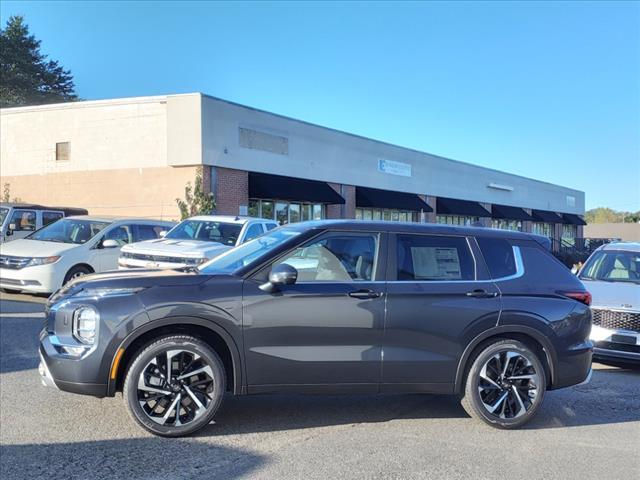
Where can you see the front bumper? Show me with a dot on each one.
(615, 344)
(36, 279)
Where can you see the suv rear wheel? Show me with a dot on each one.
(505, 385)
(175, 386)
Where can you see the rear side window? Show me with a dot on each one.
(434, 258)
(498, 255)
(253, 231)
(50, 217)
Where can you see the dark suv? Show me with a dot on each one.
(328, 307)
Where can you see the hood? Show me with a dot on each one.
(131, 279)
(36, 248)
(619, 295)
(177, 248)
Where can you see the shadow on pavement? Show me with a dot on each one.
(127, 459)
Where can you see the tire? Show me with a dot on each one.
(196, 397)
(75, 272)
(504, 401)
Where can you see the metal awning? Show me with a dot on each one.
(376, 198)
(277, 187)
(545, 216)
(573, 219)
(452, 206)
(509, 213)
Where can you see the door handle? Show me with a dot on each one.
(479, 293)
(364, 294)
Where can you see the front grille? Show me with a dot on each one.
(14, 263)
(154, 258)
(616, 320)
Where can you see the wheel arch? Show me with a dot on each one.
(214, 335)
(527, 335)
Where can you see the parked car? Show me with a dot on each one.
(612, 275)
(194, 241)
(71, 247)
(17, 220)
(383, 307)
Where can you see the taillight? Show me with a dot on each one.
(582, 297)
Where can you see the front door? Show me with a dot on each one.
(326, 329)
(437, 301)
(108, 257)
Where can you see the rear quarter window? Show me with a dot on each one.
(498, 255)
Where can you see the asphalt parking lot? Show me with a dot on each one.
(584, 432)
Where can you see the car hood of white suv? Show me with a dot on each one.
(35, 248)
(618, 295)
(177, 248)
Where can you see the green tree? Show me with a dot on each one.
(196, 200)
(27, 77)
(602, 215)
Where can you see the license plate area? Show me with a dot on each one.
(626, 339)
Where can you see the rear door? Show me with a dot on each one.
(23, 221)
(439, 297)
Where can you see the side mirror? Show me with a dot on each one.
(12, 227)
(282, 274)
(110, 244)
(162, 234)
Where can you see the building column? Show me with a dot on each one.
(527, 225)
(231, 190)
(348, 209)
(430, 217)
(486, 221)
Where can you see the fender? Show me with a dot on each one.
(500, 330)
(208, 323)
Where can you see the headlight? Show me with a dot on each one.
(85, 324)
(107, 292)
(42, 260)
(195, 261)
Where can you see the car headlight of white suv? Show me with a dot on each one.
(35, 261)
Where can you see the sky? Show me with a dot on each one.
(548, 90)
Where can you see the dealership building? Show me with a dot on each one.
(134, 157)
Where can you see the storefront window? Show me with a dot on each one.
(457, 220)
(540, 228)
(294, 213)
(285, 212)
(569, 233)
(514, 225)
(384, 214)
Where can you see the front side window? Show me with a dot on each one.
(336, 257)
(253, 231)
(69, 230)
(24, 220)
(612, 266)
(121, 234)
(148, 232)
(50, 217)
(206, 231)
(434, 258)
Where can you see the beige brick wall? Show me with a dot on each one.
(140, 192)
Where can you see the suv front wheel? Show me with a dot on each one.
(174, 386)
(505, 385)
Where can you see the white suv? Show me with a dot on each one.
(73, 246)
(194, 241)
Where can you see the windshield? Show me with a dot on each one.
(69, 230)
(248, 252)
(221, 232)
(612, 266)
(3, 214)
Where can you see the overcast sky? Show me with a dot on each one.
(546, 90)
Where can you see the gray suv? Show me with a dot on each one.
(328, 307)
